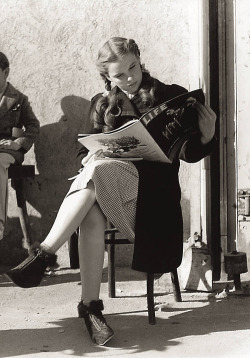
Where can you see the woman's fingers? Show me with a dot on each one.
(205, 111)
(206, 120)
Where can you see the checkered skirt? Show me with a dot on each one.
(116, 187)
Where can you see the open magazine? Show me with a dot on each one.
(158, 135)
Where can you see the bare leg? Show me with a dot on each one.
(91, 253)
(72, 211)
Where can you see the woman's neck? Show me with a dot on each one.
(129, 95)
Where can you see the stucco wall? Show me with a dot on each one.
(52, 46)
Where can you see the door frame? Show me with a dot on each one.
(223, 160)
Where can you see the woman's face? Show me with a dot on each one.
(126, 73)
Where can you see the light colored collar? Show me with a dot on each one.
(129, 95)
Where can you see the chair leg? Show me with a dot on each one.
(22, 210)
(150, 298)
(176, 286)
(73, 251)
(111, 270)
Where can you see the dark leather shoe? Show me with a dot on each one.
(31, 271)
(98, 329)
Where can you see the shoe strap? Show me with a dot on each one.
(95, 307)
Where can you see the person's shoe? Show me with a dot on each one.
(31, 271)
(98, 329)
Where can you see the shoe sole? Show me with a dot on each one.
(20, 285)
(9, 278)
(107, 340)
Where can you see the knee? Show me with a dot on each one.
(3, 168)
(5, 161)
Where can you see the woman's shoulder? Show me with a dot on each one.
(96, 97)
(98, 100)
(167, 91)
(106, 94)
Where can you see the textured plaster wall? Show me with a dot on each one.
(52, 45)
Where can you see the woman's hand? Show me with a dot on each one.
(92, 156)
(9, 144)
(206, 120)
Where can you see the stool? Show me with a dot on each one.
(235, 264)
(111, 241)
(17, 173)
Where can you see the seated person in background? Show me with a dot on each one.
(15, 114)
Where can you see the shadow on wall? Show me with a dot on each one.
(12, 250)
(57, 145)
(55, 151)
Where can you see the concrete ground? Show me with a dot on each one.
(42, 321)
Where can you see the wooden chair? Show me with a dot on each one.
(111, 240)
(16, 173)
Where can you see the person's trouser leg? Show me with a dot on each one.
(5, 161)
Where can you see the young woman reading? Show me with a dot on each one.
(141, 198)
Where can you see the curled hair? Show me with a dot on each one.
(108, 109)
(103, 122)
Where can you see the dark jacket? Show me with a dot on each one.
(16, 112)
(159, 225)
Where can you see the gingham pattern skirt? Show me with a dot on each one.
(116, 188)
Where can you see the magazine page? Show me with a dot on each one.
(133, 141)
(175, 104)
(127, 124)
(174, 122)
